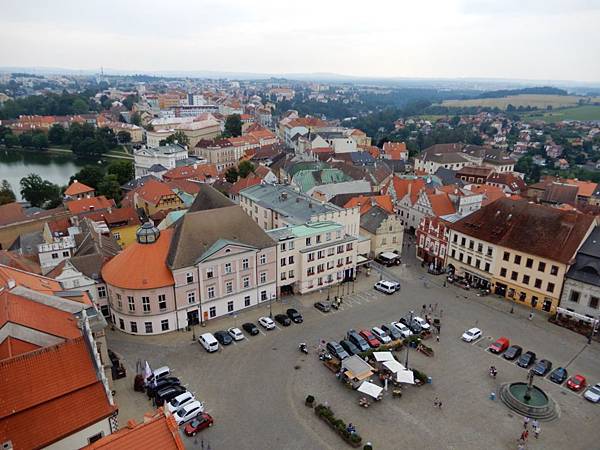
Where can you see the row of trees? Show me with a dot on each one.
(50, 105)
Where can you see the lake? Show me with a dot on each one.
(56, 168)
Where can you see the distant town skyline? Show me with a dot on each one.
(533, 40)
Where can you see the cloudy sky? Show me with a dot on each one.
(525, 39)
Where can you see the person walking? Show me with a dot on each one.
(537, 430)
(436, 401)
(525, 422)
(437, 338)
(524, 435)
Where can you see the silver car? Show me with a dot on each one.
(593, 393)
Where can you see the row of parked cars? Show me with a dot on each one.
(167, 391)
(211, 341)
(356, 342)
(541, 367)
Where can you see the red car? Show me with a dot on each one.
(370, 338)
(500, 345)
(576, 383)
(199, 423)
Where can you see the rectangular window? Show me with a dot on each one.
(461, 256)
(101, 291)
(349, 247)
(117, 235)
(283, 277)
(191, 296)
(211, 292)
(282, 262)
(121, 324)
(246, 282)
(189, 277)
(291, 245)
(263, 259)
(130, 303)
(455, 240)
(148, 327)
(263, 277)
(320, 268)
(66, 254)
(228, 287)
(542, 266)
(318, 239)
(593, 302)
(525, 279)
(477, 263)
(471, 245)
(212, 312)
(320, 254)
(506, 256)
(503, 272)
(308, 241)
(283, 247)
(348, 260)
(328, 236)
(329, 265)
(210, 273)
(245, 263)
(489, 251)
(162, 301)
(550, 287)
(146, 304)
(133, 327)
(574, 297)
(469, 259)
(463, 241)
(95, 437)
(263, 296)
(514, 275)
(487, 267)
(340, 249)
(164, 325)
(330, 251)
(538, 283)
(291, 274)
(452, 253)
(54, 255)
(247, 300)
(291, 259)
(517, 259)
(554, 270)
(227, 267)
(230, 306)
(529, 263)
(480, 248)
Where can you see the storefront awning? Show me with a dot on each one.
(383, 356)
(362, 260)
(575, 315)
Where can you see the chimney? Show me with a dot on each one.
(11, 283)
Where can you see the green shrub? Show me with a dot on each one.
(310, 400)
(421, 376)
(355, 438)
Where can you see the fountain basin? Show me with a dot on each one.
(539, 406)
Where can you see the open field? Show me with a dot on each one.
(538, 101)
(586, 112)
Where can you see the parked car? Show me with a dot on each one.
(283, 320)
(471, 335)
(236, 334)
(559, 375)
(154, 387)
(159, 373)
(370, 338)
(179, 401)
(526, 360)
(349, 347)
(267, 323)
(422, 323)
(499, 346)
(188, 412)
(250, 328)
(542, 367)
(513, 352)
(294, 315)
(576, 383)
(402, 328)
(388, 259)
(593, 393)
(323, 307)
(167, 394)
(198, 423)
(412, 325)
(381, 335)
(387, 287)
(337, 350)
(209, 342)
(358, 340)
(392, 331)
(223, 337)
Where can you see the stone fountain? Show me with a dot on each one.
(529, 400)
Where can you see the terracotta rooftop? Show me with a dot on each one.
(529, 228)
(157, 431)
(89, 204)
(141, 266)
(244, 183)
(29, 280)
(153, 191)
(383, 201)
(77, 188)
(11, 212)
(441, 204)
(200, 172)
(54, 382)
(490, 193)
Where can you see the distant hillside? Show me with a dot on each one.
(543, 90)
(535, 101)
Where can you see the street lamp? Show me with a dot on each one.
(409, 323)
(271, 305)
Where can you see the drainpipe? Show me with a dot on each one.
(176, 309)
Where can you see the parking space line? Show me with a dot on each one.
(261, 332)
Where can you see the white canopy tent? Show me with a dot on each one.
(394, 366)
(405, 376)
(383, 356)
(370, 389)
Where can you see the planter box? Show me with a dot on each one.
(334, 428)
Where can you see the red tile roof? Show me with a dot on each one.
(199, 172)
(394, 150)
(402, 186)
(490, 193)
(54, 382)
(29, 280)
(441, 204)
(153, 191)
(243, 183)
(90, 204)
(10, 213)
(384, 201)
(77, 188)
(158, 431)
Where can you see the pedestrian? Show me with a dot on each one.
(440, 404)
(525, 435)
(535, 423)
(530, 316)
(436, 402)
(525, 422)
(437, 338)
(430, 309)
(435, 307)
(424, 309)
(537, 430)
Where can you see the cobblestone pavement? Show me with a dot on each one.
(255, 389)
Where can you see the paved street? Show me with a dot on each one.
(255, 389)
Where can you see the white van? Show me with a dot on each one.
(159, 373)
(209, 342)
(389, 287)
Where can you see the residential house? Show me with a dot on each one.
(77, 190)
(89, 204)
(166, 155)
(431, 242)
(384, 230)
(155, 196)
(395, 151)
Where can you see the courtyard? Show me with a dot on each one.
(255, 388)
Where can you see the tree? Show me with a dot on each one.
(233, 125)
(107, 136)
(122, 169)
(89, 175)
(39, 141)
(123, 137)
(80, 106)
(110, 187)
(57, 134)
(11, 140)
(245, 168)
(6, 193)
(39, 192)
(26, 140)
(179, 137)
(231, 175)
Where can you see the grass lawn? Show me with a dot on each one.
(586, 112)
(539, 101)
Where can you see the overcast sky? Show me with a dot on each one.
(525, 39)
